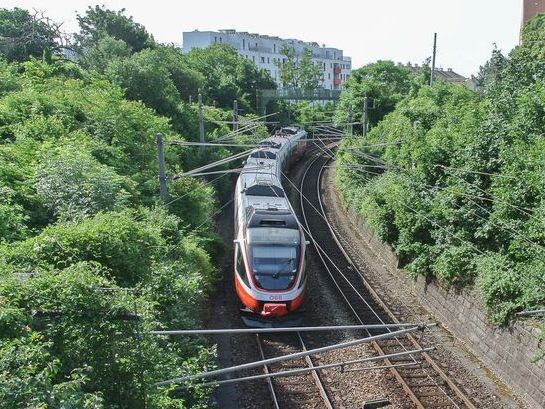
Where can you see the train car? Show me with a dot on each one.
(270, 244)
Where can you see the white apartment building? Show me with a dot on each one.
(264, 52)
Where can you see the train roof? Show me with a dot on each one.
(272, 218)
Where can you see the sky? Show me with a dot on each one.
(366, 30)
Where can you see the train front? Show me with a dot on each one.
(271, 265)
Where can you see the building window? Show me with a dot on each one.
(243, 43)
(328, 75)
(215, 39)
(262, 60)
(220, 39)
(253, 59)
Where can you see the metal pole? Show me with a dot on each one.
(320, 367)
(235, 115)
(364, 121)
(370, 368)
(278, 330)
(432, 73)
(201, 120)
(533, 312)
(163, 192)
(350, 125)
(296, 355)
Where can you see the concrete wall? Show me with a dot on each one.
(508, 352)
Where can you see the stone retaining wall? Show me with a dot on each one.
(508, 352)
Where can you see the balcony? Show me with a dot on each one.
(336, 69)
(337, 81)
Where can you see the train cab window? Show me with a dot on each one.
(239, 267)
(274, 267)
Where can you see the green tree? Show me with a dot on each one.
(74, 184)
(228, 76)
(299, 71)
(383, 82)
(98, 22)
(23, 35)
(101, 54)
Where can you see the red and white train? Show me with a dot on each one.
(269, 242)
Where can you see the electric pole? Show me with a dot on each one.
(350, 127)
(163, 192)
(201, 120)
(364, 119)
(235, 115)
(432, 73)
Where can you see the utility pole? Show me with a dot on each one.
(161, 161)
(201, 120)
(364, 119)
(235, 115)
(350, 127)
(432, 73)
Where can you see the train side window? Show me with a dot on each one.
(241, 271)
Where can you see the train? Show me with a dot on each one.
(270, 244)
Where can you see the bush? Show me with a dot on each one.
(125, 247)
(74, 184)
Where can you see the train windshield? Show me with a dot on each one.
(274, 267)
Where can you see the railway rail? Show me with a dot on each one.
(304, 390)
(425, 383)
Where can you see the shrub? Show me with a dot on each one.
(74, 184)
(125, 247)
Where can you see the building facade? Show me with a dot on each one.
(264, 52)
(530, 8)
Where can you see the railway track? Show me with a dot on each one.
(423, 380)
(301, 391)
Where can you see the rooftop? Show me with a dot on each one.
(447, 74)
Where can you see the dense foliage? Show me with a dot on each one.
(455, 180)
(84, 246)
(23, 34)
(384, 84)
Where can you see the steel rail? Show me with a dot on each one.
(413, 341)
(266, 370)
(317, 380)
